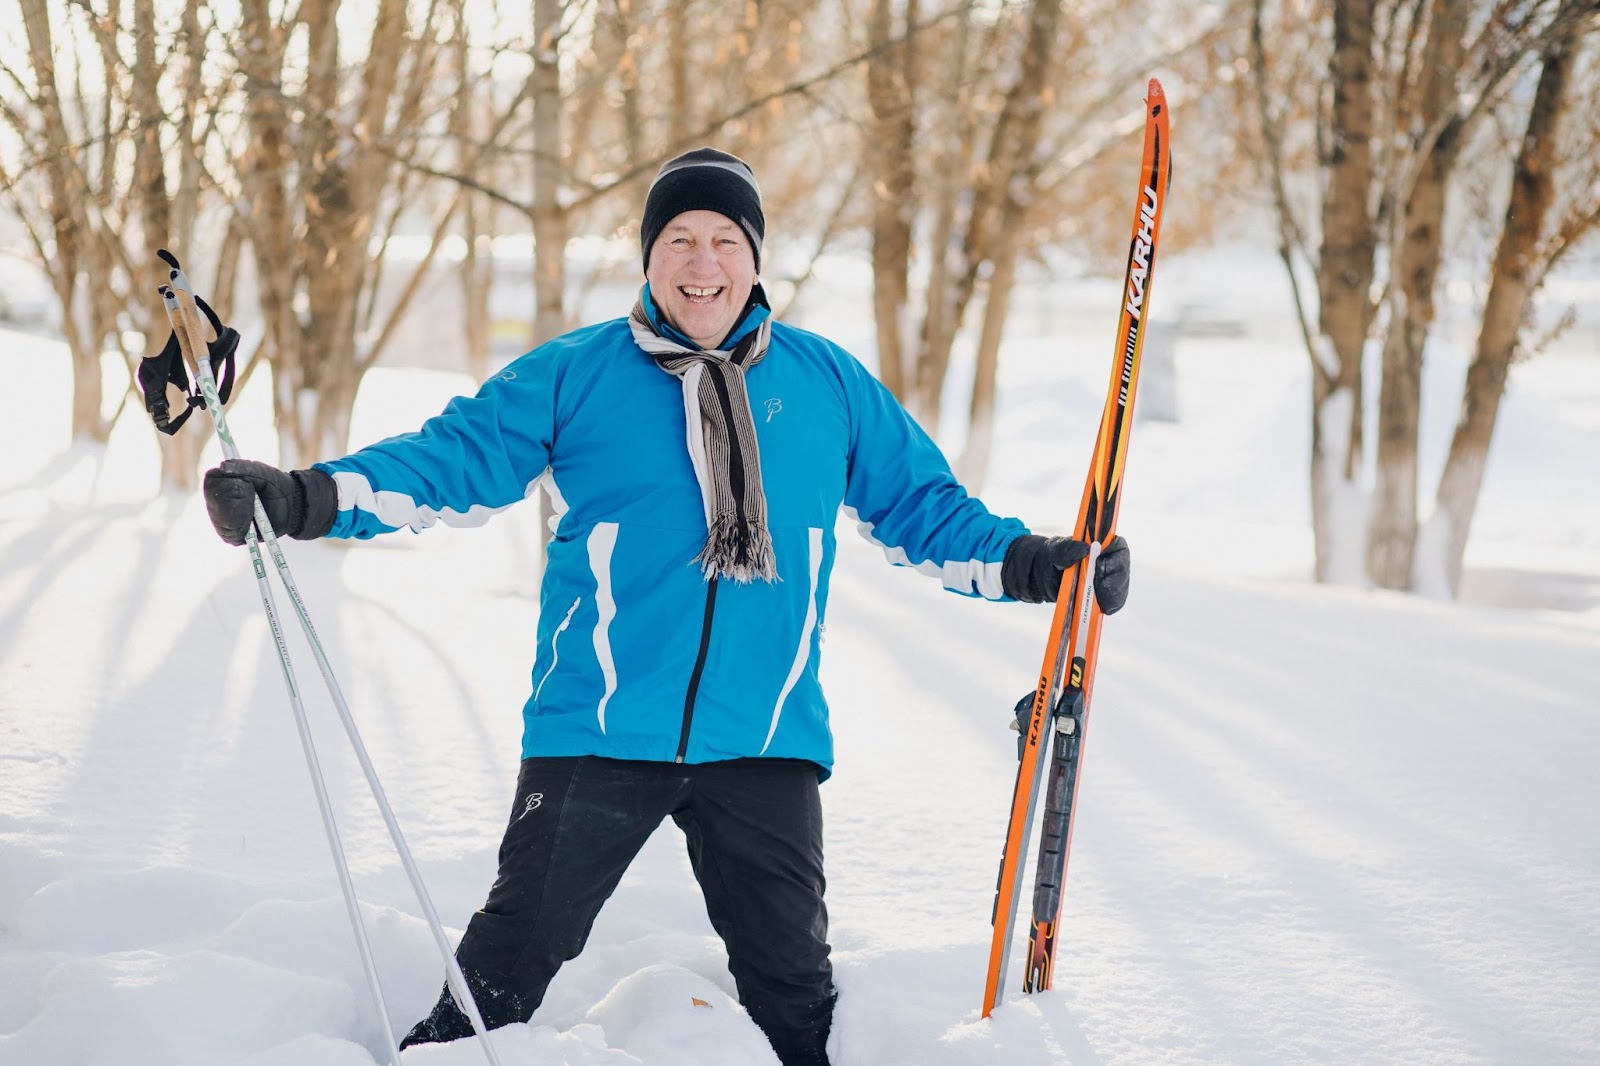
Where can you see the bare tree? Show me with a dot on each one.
(65, 234)
(1529, 246)
(1416, 251)
(91, 182)
(549, 217)
(1344, 281)
(976, 167)
(477, 212)
(321, 125)
(977, 171)
(165, 219)
(1407, 86)
(1016, 164)
(891, 148)
(316, 173)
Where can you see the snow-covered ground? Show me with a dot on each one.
(1318, 824)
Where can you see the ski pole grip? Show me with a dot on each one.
(189, 313)
(180, 330)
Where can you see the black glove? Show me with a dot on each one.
(1033, 567)
(299, 503)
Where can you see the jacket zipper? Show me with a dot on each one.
(699, 668)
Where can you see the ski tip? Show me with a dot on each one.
(1155, 97)
(168, 258)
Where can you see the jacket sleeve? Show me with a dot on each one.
(478, 457)
(902, 494)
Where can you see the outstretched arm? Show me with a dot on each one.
(482, 454)
(901, 491)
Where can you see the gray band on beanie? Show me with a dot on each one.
(672, 166)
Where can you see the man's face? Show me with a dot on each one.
(702, 269)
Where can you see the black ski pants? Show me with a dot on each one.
(754, 830)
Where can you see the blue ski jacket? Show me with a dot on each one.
(639, 655)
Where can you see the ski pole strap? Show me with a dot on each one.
(165, 368)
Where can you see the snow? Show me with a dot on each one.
(1318, 824)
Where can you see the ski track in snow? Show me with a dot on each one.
(1317, 824)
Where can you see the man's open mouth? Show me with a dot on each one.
(698, 294)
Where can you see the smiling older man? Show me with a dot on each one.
(681, 607)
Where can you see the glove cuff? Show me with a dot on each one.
(1016, 571)
(319, 498)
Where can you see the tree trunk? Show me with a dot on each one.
(1015, 199)
(68, 196)
(1392, 535)
(149, 175)
(549, 218)
(1339, 503)
(476, 272)
(264, 174)
(941, 317)
(680, 60)
(88, 390)
(1344, 282)
(312, 379)
(314, 274)
(181, 228)
(973, 465)
(477, 279)
(180, 453)
(1006, 173)
(954, 163)
(891, 87)
(1438, 563)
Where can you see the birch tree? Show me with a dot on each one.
(1406, 86)
(1552, 206)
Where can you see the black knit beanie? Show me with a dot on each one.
(704, 180)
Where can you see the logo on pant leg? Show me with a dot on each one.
(534, 800)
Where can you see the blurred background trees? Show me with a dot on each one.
(1398, 139)
(368, 180)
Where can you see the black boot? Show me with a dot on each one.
(444, 1023)
(800, 1037)
(447, 1022)
(801, 1049)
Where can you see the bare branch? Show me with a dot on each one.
(1291, 238)
(825, 237)
(645, 167)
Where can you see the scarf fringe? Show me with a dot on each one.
(738, 551)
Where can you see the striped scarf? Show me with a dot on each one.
(722, 446)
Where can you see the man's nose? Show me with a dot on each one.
(703, 258)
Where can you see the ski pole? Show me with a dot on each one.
(188, 325)
(202, 371)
